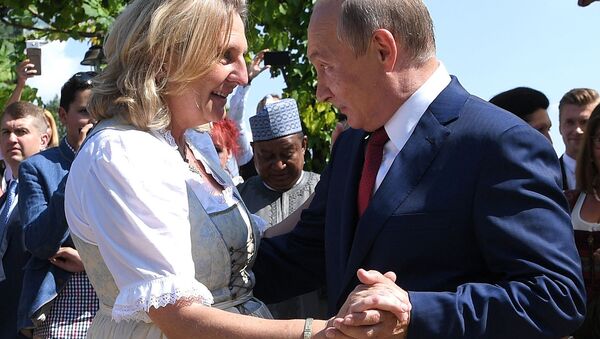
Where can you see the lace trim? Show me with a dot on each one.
(133, 303)
(166, 134)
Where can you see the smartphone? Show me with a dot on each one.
(281, 58)
(35, 57)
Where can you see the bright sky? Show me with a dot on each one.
(491, 46)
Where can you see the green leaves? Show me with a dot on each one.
(284, 26)
(277, 25)
(49, 20)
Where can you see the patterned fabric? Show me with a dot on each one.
(72, 311)
(276, 120)
(11, 193)
(371, 165)
(587, 243)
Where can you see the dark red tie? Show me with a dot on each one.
(373, 158)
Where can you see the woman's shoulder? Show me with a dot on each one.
(125, 150)
(572, 196)
(125, 139)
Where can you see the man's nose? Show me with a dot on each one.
(280, 165)
(323, 92)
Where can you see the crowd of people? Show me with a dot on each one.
(439, 214)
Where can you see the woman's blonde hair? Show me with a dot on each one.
(156, 48)
(52, 130)
(586, 172)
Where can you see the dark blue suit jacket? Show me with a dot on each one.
(13, 261)
(471, 217)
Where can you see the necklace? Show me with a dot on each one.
(595, 194)
(69, 146)
(193, 169)
(191, 164)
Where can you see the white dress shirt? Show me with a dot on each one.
(578, 223)
(12, 206)
(570, 171)
(402, 124)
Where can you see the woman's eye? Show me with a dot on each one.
(227, 57)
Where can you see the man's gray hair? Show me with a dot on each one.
(408, 21)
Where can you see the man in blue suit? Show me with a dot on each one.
(23, 133)
(456, 196)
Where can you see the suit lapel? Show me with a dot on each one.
(563, 173)
(405, 173)
(348, 214)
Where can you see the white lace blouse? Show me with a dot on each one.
(126, 193)
(578, 223)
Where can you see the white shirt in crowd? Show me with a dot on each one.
(402, 124)
(570, 171)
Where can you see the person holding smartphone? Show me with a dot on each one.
(245, 155)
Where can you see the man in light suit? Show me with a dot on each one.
(466, 206)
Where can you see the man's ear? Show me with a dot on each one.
(62, 115)
(304, 144)
(385, 46)
(44, 140)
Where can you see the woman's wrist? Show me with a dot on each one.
(318, 328)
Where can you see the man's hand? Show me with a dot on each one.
(25, 71)
(68, 259)
(377, 309)
(82, 134)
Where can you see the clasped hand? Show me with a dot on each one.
(377, 308)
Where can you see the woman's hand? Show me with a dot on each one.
(254, 69)
(68, 259)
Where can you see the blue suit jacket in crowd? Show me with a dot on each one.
(13, 261)
(42, 180)
(471, 217)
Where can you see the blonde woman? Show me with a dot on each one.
(585, 217)
(159, 226)
(52, 130)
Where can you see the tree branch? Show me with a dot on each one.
(50, 29)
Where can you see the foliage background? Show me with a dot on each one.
(273, 24)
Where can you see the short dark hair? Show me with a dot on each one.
(78, 82)
(22, 109)
(521, 101)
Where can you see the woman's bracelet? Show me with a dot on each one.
(307, 334)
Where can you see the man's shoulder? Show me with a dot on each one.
(42, 161)
(50, 155)
(251, 184)
(312, 177)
